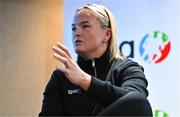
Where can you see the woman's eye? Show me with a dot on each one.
(85, 26)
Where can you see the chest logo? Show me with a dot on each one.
(74, 91)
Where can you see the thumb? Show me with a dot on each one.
(61, 67)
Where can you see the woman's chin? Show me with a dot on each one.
(79, 51)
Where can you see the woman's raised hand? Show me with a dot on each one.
(70, 68)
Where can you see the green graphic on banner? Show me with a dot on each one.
(160, 113)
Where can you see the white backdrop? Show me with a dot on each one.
(157, 22)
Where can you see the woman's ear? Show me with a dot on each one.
(107, 36)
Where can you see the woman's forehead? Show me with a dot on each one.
(84, 15)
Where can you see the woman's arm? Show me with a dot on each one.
(52, 102)
(127, 77)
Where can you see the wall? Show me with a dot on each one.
(28, 29)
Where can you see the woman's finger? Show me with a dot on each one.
(61, 59)
(64, 49)
(60, 52)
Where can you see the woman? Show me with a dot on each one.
(101, 81)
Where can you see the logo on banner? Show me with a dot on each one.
(160, 113)
(155, 47)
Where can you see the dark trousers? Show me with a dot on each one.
(132, 104)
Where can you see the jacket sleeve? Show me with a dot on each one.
(52, 102)
(128, 77)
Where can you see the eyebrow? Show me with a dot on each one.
(83, 22)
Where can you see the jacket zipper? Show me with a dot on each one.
(95, 74)
(94, 67)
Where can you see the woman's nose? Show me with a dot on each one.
(78, 31)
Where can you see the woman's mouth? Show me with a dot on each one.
(77, 42)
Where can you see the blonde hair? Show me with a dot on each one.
(107, 20)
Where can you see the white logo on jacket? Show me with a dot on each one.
(70, 92)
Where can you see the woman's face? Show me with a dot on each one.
(89, 38)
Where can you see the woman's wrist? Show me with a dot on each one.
(85, 82)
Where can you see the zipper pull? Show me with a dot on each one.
(94, 67)
(93, 63)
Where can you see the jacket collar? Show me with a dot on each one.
(101, 61)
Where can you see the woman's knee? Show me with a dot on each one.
(131, 104)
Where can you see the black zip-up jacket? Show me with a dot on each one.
(109, 82)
